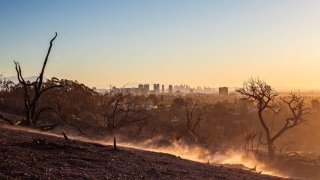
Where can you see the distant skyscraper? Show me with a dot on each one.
(156, 88)
(162, 89)
(223, 91)
(170, 89)
(140, 89)
(146, 88)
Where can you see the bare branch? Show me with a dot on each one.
(7, 120)
(31, 98)
(40, 78)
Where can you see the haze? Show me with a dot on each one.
(212, 43)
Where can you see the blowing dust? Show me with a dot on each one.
(230, 158)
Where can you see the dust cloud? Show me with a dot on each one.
(230, 158)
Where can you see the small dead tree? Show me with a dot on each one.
(252, 141)
(193, 118)
(33, 91)
(263, 96)
(121, 110)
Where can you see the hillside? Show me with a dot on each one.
(30, 155)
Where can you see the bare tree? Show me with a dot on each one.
(120, 110)
(252, 140)
(33, 91)
(263, 96)
(193, 118)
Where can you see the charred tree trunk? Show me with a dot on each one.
(115, 143)
(271, 152)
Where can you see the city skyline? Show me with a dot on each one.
(108, 86)
(212, 43)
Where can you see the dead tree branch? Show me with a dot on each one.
(34, 90)
(263, 96)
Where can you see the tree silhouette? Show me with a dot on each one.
(263, 96)
(33, 91)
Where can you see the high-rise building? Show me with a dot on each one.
(170, 89)
(156, 88)
(140, 89)
(162, 89)
(223, 91)
(146, 88)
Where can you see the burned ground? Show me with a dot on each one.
(29, 155)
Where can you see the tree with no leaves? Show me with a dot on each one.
(33, 91)
(257, 91)
(121, 110)
(192, 122)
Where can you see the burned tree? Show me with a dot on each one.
(82, 103)
(264, 96)
(193, 118)
(33, 91)
(252, 140)
(121, 110)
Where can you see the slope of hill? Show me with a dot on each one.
(37, 156)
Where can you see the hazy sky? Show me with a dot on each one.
(195, 42)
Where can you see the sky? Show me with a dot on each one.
(196, 42)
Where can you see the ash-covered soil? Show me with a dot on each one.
(27, 155)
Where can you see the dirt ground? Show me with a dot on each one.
(28, 155)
